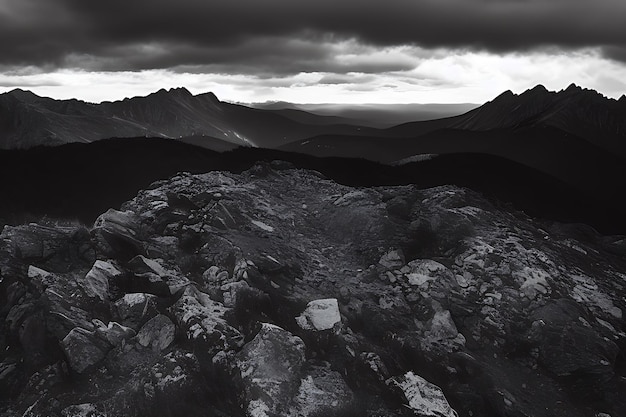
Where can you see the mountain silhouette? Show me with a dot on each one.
(27, 120)
(573, 140)
(581, 112)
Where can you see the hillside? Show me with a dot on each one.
(277, 291)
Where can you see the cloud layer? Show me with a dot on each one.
(312, 50)
(291, 36)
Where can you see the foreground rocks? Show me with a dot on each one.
(278, 292)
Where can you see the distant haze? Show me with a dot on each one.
(376, 115)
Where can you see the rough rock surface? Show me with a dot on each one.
(320, 315)
(83, 349)
(279, 292)
(423, 397)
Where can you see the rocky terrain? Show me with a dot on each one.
(280, 292)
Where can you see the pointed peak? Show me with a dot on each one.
(23, 95)
(506, 94)
(210, 96)
(539, 88)
(572, 87)
(177, 92)
(180, 91)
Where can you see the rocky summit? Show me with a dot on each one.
(278, 292)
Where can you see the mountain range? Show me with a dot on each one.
(574, 139)
(27, 120)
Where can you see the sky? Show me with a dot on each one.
(312, 51)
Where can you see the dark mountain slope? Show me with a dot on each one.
(27, 120)
(559, 154)
(581, 112)
(45, 180)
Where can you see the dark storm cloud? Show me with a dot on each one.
(617, 53)
(346, 79)
(257, 56)
(289, 36)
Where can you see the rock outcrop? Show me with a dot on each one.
(279, 292)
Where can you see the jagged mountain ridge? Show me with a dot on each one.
(27, 120)
(584, 113)
(567, 110)
(575, 135)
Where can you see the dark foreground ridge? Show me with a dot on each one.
(277, 291)
(44, 180)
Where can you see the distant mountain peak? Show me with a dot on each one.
(171, 94)
(537, 91)
(180, 91)
(507, 93)
(574, 87)
(539, 88)
(210, 96)
(579, 111)
(23, 95)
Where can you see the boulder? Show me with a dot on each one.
(424, 398)
(83, 349)
(569, 348)
(150, 276)
(158, 333)
(117, 234)
(96, 283)
(114, 333)
(55, 249)
(135, 309)
(142, 265)
(62, 316)
(440, 333)
(213, 277)
(320, 315)
(322, 391)
(203, 321)
(232, 292)
(394, 259)
(270, 367)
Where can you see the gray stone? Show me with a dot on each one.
(115, 333)
(321, 315)
(424, 398)
(83, 349)
(203, 321)
(135, 309)
(322, 391)
(96, 283)
(269, 366)
(158, 333)
(117, 234)
(394, 259)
